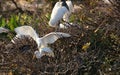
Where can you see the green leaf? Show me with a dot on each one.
(2, 22)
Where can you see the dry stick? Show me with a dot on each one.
(20, 9)
(100, 25)
(72, 25)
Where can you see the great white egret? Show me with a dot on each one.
(3, 30)
(41, 42)
(58, 12)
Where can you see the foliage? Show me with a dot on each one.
(9, 23)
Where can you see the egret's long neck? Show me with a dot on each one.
(41, 43)
(42, 46)
(64, 4)
(35, 37)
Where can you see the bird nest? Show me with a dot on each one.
(18, 58)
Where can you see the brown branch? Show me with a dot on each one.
(20, 9)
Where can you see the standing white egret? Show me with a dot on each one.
(58, 12)
(3, 30)
(41, 42)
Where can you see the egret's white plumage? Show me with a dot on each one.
(50, 38)
(108, 1)
(44, 51)
(41, 42)
(3, 30)
(26, 30)
(65, 25)
(71, 9)
(60, 12)
(62, 26)
(57, 14)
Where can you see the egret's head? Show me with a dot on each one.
(38, 54)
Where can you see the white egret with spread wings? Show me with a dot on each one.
(42, 42)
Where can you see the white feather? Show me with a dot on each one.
(26, 30)
(60, 12)
(62, 26)
(44, 51)
(67, 14)
(51, 38)
(108, 1)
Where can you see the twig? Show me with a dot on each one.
(100, 25)
(20, 9)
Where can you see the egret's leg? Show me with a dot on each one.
(66, 24)
(57, 27)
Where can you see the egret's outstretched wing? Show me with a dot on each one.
(53, 36)
(3, 30)
(26, 30)
(20, 37)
